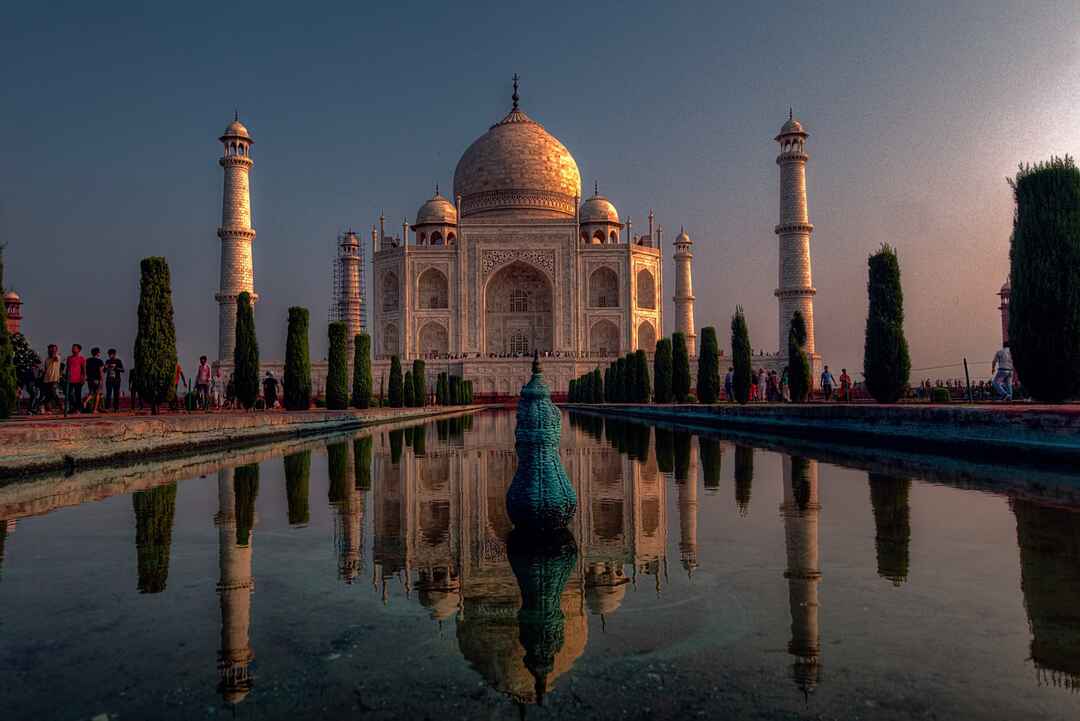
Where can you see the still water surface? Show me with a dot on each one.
(372, 577)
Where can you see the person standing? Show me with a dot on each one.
(50, 378)
(785, 391)
(94, 375)
(827, 383)
(202, 384)
(215, 388)
(845, 386)
(1002, 368)
(270, 385)
(178, 378)
(76, 376)
(114, 371)
(762, 384)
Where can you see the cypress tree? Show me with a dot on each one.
(680, 368)
(246, 490)
(297, 480)
(9, 382)
(441, 390)
(395, 394)
(297, 378)
(419, 379)
(597, 386)
(662, 367)
(455, 390)
(1044, 309)
(740, 356)
(607, 384)
(362, 460)
(407, 390)
(620, 380)
(246, 354)
(571, 394)
(642, 386)
(799, 380)
(886, 364)
(361, 389)
(337, 371)
(155, 342)
(154, 513)
(708, 378)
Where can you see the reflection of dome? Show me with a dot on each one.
(441, 604)
(487, 634)
(605, 587)
(437, 211)
(517, 165)
(598, 209)
(236, 129)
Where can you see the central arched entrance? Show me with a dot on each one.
(518, 311)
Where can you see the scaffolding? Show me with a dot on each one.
(348, 289)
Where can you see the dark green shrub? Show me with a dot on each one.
(662, 371)
(940, 394)
(395, 394)
(740, 356)
(337, 371)
(361, 389)
(886, 364)
(407, 390)
(297, 481)
(246, 354)
(155, 342)
(297, 378)
(1044, 308)
(680, 368)
(708, 379)
(799, 381)
(419, 379)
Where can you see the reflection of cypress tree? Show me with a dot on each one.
(337, 460)
(3, 538)
(542, 565)
(639, 435)
(154, 512)
(442, 430)
(362, 460)
(665, 450)
(1049, 540)
(744, 477)
(297, 477)
(466, 422)
(682, 456)
(892, 521)
(711, 457)
(419, 441)
(457, 430)
(408, 435)
(800, 482)
(246, 483)
(395, 446)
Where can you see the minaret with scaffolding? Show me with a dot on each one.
(347, 281)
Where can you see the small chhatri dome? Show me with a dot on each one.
(683, 236)
(1007, 287)
(517, 165)
(437, 211)
(12, 296)
(598, 209)
(792, 126)
(236, 129)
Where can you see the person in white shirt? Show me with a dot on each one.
(1002, 368)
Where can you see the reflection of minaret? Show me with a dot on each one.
(234, 588)
(349, 516)
(892, 523)
(800, 512)
(688, 516)
(1049, 540)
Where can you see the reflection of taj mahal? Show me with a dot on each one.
(516, 261)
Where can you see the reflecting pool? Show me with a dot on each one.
(377, 576)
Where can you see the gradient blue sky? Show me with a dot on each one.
(918, 111)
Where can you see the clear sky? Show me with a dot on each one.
(917, 113)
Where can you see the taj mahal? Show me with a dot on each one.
(515, 261)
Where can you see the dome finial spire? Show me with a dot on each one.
(236, 115)
(790, 113)
(596, 187)
(436, 188)
(515, 97)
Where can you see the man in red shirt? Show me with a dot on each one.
(76, 376)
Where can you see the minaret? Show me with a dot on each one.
(234, 588)
(796, 289)
(800, 512)
(236, 233)
(348, 302)
(684, 291)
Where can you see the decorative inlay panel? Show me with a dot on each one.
(495, 259)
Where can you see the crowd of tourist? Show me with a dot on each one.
(93, 384)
